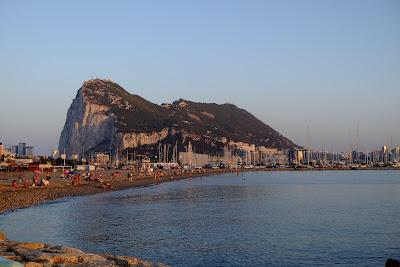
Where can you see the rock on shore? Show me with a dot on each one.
(44, 255)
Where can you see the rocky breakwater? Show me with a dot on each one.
(44, 255)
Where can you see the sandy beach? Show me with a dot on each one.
(11, 198)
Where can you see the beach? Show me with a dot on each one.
(11, 198)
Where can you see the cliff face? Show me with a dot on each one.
(88, 125)
(104, 117)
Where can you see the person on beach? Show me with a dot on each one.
(105, 185)
(44, 182)
(35, 180)
(15, 184)
(76, 180)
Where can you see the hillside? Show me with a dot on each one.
(105, 117)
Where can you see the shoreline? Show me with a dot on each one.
(14, 199)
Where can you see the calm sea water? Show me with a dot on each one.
(347, 218)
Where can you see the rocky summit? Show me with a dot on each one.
(105, 117)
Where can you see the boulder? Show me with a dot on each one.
(34, 255)
(392, 263)
(68, 258)
(34, 245)
(128, 261)
(2, 236)
(62, 249)
(89, 258)
(11, 244)
(33, 264)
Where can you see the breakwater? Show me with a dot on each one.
(37, 254)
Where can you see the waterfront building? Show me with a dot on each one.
(145, 164)
(396, 153)
(101, 159)
(299, 156)
(193, 159)
(385, 154)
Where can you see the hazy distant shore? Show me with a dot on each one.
(12, 199)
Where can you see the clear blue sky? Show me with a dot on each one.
(331, 65)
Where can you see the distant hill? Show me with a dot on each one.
(105, 117)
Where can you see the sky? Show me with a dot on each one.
(332, 67)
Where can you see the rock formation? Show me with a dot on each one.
(13, 253)
(105, 117)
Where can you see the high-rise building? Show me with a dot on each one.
(22, 149)
(14, 150)
(397, 153)
(29, 151)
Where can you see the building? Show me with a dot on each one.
(146, 164)
(22, 149)
(397, 153)
(29, 151)
(1, 149)
(193, 159)
(54, 154)
(102, 159)
(14, 150)
(299, 156)
(85, 168)
(385, 154)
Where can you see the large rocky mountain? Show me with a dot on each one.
(105, 117)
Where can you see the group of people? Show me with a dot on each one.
(77, 178)
(97, 178)
(34, 182)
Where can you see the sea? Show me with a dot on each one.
(293, 218)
